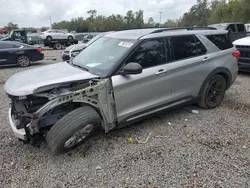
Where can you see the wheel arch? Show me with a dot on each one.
(73, 106)
(225, 73)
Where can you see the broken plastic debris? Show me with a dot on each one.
(169, 123)
(140, 142)
(195, 111)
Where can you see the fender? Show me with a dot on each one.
(223, 72)
(98, 94)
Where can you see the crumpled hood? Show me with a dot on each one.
(26, 82)
(243, 41)
(76, 47)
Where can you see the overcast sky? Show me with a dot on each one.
(36, 13)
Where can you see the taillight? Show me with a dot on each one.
(39, 50)
(237, 55)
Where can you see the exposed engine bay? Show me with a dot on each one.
(36, 113)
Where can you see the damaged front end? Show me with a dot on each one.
(35, 114)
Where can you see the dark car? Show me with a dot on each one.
(236, 30)
(21, 54)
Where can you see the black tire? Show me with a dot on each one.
(69, 125)
(49, 38)
(57, 46)
(70, 37)
(23, 61)
(213, 92)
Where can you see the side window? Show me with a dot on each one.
(184, 47)
(241, 27)
(150, 53)
(222, 41)
(231, 28)
(201, 50)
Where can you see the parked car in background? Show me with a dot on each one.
(243, 45)
(236, 30)
(54, 34)
(34, 38)
(247, 27)
(18, 35)
(15, 53)
(2, 31)
(74, 50)
(88, 37)
(119, 79)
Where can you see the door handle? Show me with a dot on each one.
(205, 59)
(161, 71)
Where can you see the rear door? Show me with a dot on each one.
(139, 95)
(188, 55)
(6, 53)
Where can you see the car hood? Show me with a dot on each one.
(76, 47)
(243, 41)
(43, 78)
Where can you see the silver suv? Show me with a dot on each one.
(119, 79)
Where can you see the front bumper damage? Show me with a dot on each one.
(27, 123)
(19, 133)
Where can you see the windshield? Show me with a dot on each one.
(102, 55)
(94, 39)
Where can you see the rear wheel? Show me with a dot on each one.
(49, 38)
(73, 129)
(23, 61)
(58, 46)
(213, 92)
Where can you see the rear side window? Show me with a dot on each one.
(241, 27)
(222, 41)
(187, 47)
(231, 28)
(150, 53)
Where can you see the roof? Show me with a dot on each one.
(132, 33)
(136, 34)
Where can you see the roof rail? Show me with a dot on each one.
(181, 28)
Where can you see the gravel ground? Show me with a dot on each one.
(209, 149)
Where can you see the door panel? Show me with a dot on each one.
(190, 66)
(152, 88)
(6, 54)
(138, 93)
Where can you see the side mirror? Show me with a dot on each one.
(132, 68)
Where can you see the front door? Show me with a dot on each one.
(139, 95)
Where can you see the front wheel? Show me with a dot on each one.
(72, 129)
(213, 92)
(70, 37)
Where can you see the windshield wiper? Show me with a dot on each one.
(78, 66)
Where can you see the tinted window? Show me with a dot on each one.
(200, 47)
(231, 28)
(222, 41)
(150, 53)
(184, 47)
(241, 27)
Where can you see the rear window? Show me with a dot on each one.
(187, 47)
(222, 41)
(241, 27)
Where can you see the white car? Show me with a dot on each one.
(56, 34)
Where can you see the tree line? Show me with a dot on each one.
(203, 13)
